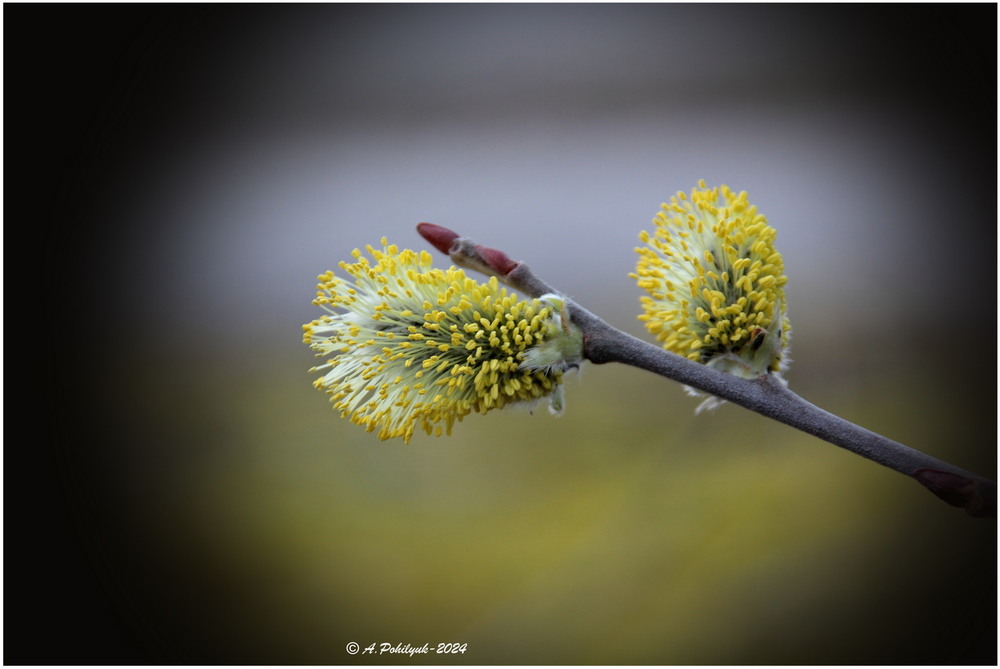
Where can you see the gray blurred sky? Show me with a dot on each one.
(554, 132)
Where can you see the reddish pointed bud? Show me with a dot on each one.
(442, 238)
(952, 488)
(496, 259)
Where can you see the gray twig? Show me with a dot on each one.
(765, 395)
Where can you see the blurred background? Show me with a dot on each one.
(186, 171)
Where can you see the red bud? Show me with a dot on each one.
(496, 259)
(441, 237)
(952, 488)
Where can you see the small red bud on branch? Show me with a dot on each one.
(496, 259)
(958, 491)
(440, 237)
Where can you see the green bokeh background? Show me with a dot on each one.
(216, 510)
(261, 528)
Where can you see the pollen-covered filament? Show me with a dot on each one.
(413, 345)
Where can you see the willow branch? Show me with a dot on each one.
(765, 395)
